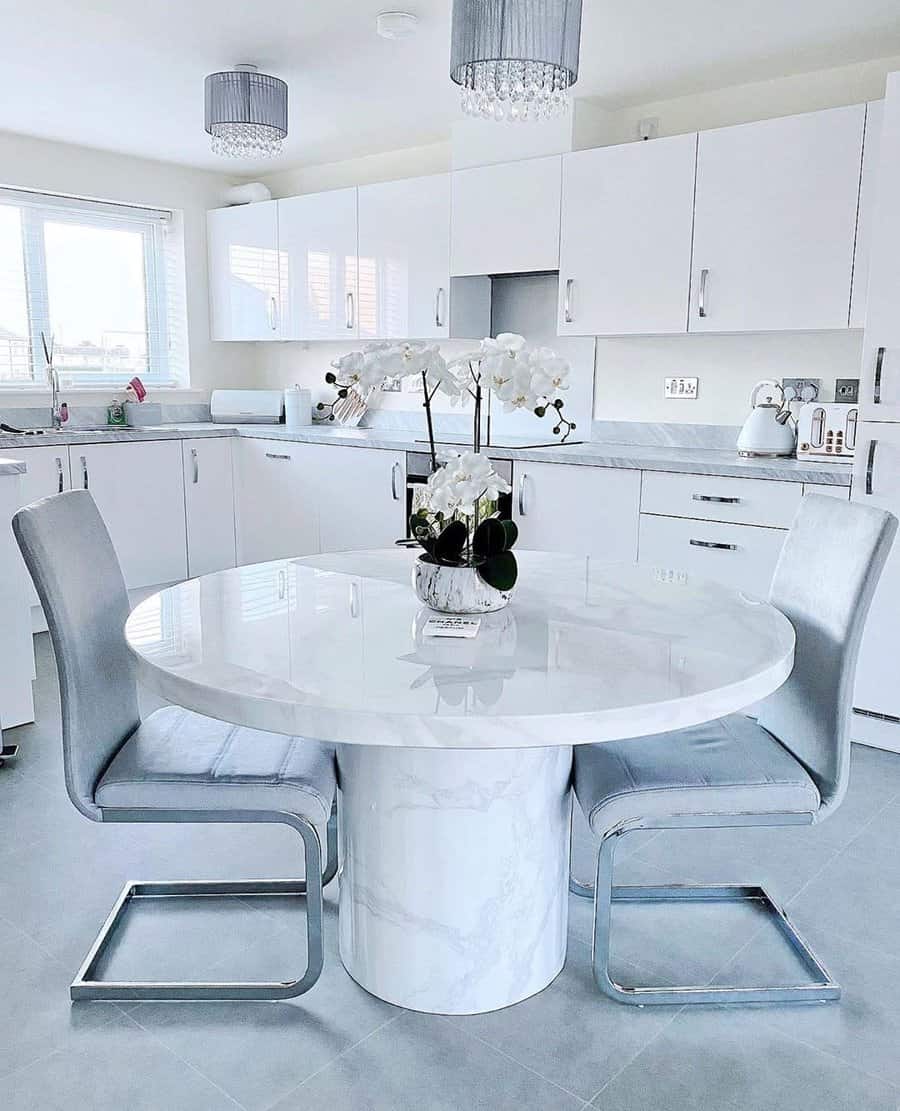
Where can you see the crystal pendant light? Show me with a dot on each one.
(246, 113)
(515, 59)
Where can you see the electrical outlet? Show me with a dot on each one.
(847, 390)
(685, 388)
(392, 385)
(811, 386)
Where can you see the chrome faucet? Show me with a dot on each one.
(55, 406)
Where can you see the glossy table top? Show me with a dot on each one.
(331, 647)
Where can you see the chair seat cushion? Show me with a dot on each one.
(178, 760)
(729, 766)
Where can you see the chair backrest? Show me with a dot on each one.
(824, 583)
(76, 573)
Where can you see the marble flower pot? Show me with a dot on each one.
(456, 589)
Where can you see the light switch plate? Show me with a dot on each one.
(685, 388)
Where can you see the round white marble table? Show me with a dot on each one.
(455, 755)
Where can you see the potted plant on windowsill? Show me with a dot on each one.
(468, 565)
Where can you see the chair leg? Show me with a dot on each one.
(821, 989)
(7, 752)
(85, 986)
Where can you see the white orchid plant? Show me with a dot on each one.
(456, 523)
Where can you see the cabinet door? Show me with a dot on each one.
(879, 384)
(505, 218)
(774, 223)
(139, 491)
(625, 245)
(581, 510)
(404, 259)
(208, 504)
(277, 511)
(48, 473)
(244, 293)
(868, 193)
(317, 239)
(362, 497)
(876, 481)
(16, 646)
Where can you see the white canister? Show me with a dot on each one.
(297, 407)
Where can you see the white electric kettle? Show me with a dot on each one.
(768, 430)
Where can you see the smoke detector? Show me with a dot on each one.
(396, 25)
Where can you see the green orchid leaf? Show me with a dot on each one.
(489, 539)
(512, 533)
(450, 543)
(500, 571)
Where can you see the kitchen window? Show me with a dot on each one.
(105, 281)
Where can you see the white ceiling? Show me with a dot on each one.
(127, 75)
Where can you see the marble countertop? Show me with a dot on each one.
(332, 647)
(11, 466)
(593, 454)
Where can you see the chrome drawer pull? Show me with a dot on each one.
(713, 544)
(395, 482)
(59, 473)
(438, 308)
(276, 455)
(701, 298)
(196, 464)
(85, 477)
(523, 512)
(870, 467)
(876, 389)
(717, 500)
(567, 309)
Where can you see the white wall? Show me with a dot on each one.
(630, 372)
(64, 168)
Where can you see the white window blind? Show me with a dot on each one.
(106, 281)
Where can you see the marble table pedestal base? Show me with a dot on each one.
(453, 894)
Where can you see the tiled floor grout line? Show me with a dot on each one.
(337, 1057)
(173, 1053)
(515, 1060)
(665, 1026)
(875, 814)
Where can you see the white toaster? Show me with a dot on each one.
(827, 431)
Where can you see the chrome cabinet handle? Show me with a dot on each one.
(276, 455)
(196, 464)
(354, 600)
(876, 389)
(272, 312)
(350, 310)
(85, 477)
(717, 500)
(59, 475)
(567, 306)
(395, 487)
(870, 467)
(523, 512)
(701, 297)
(439, 308)
(282, 584)
(713, 544)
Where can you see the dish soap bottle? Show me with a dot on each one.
(115, 413)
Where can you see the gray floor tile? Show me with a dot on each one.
(855, 895)
(423, 1063)
(259, 1052)
(571, 1033)
(36, 1017)
(873, 784)
(115, 1068)
(732, 1059)
(881, 833)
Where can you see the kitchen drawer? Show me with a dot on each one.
(749, 501)
(739, 556)
(842, 492)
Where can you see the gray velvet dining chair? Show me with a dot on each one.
(174, 766)
(789, 766)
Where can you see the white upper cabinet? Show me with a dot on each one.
(879, 386)
(244, 294)
(775, 221)
(625, 244)
(867, 195)
(505, 218)
(404, 259)
(318, 246)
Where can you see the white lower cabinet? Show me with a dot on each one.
(583, 510)
(740, 556)
(139, 490)
(208, 504)
(16, 649)
(47, 473)
(277, 505)
(362, 497)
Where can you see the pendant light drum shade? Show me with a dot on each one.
(246, 112)
(515, 59)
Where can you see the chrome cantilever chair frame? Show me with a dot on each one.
(86, 986)
(822, 988)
